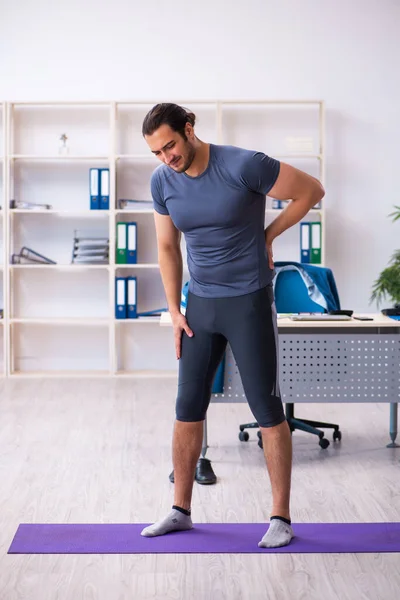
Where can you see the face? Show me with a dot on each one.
(170, 147)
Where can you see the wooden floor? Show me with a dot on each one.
(99, 451)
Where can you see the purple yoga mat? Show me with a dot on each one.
(215, 538)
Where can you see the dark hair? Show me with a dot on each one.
(168, 114)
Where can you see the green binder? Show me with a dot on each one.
(315, 242)
(122, 238)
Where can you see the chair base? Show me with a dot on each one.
(294, 423)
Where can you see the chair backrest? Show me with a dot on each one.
(291, 294)
(184, 297)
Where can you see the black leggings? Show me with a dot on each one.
(248, 323)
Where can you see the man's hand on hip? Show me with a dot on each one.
(268, 244)
(270, 255)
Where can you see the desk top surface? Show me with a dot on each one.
(285, 322)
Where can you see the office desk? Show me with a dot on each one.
(331, 361)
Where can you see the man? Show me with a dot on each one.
(215, 195)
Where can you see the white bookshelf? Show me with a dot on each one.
(3, 220)
(59, 320)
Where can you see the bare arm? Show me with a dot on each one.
(170, 261)
(305, 192)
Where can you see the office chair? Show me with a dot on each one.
(291, 296)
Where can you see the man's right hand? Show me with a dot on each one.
(180, 324)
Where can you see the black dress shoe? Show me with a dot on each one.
(204, 473)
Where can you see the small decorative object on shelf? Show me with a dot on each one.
(63, 149)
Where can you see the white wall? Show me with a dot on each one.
(342, 52)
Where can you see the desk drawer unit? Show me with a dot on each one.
(330, 367)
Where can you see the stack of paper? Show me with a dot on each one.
(90, 250)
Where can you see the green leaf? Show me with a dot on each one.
(388, 282)
(387, 285)
(396, 257)
(395, 214)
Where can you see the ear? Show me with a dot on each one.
(189, 131)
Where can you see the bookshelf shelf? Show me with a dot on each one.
(139, 374)
(139, 321)
(86, 322)
(144, 211)
(302, 156)
(148, 374)
(275, 211)
(71, 268)
(90, 214)
(33, 169)
(137, 266)
(59, 157)
(59, 374)
(136, 157)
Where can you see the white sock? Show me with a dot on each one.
(279, 534)
(174, 521)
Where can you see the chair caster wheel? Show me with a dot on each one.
(337, 435)
(243, 436)
(324, 443)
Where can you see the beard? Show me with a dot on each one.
(187, 160)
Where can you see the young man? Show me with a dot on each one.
(215, 195)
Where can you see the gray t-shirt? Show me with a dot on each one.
(221, 214)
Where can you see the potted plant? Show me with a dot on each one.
(388, 282)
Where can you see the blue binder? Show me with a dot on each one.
(131, 297)
(120, 298)
(131, 243)
(94, 188)
(104, 189)
(276, 203)
(305, 254)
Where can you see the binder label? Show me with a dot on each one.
(132, 236)
(120, 292)
(121, 236)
